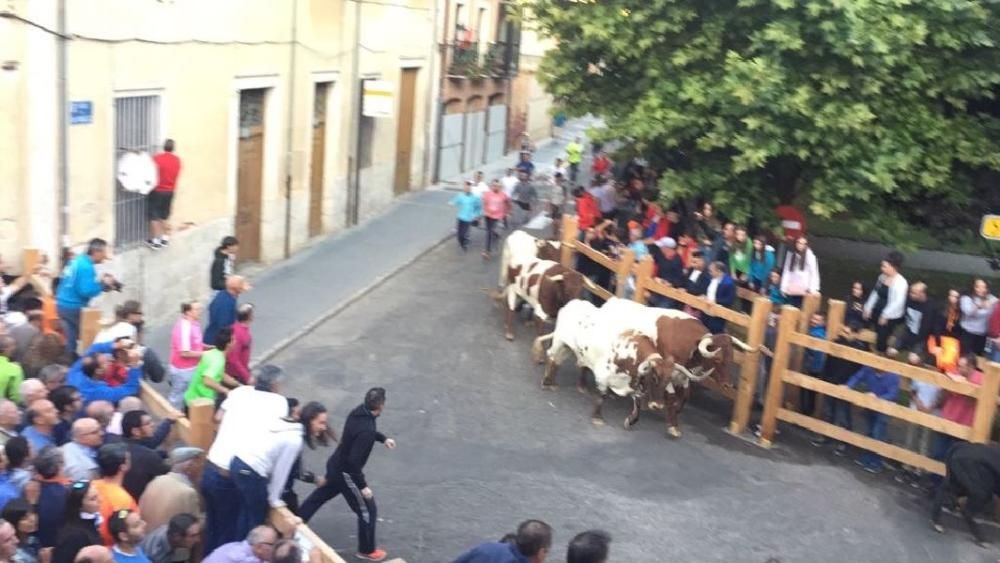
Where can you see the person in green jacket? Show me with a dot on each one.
(210, 379)
(739, 257)
(11, 374)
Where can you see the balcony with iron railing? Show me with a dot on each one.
(470, 60)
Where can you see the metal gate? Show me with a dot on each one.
(496, 132)
(137, 128)
(450, 151)
(475, 139)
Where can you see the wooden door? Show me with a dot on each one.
(404, 130)
(249, 173)
(318, 159)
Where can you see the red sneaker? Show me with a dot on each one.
(377, 555)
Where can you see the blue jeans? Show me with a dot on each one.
(222, 503)
(252, 488)
(71, 328)
(878, 423)
(838, 411)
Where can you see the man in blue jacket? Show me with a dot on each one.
(80, 284)
(86, 374)
(222, 309)
(531, 544)
(721, 291)
(885, 386)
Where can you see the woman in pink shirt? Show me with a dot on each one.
(496, 206)
(958, 408)
(185, 350)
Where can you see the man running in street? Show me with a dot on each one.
(345, 475)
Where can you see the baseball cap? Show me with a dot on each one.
(666, 242)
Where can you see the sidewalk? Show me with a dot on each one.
(294, 296)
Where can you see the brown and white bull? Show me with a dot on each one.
(520, 248)
(544, 285)
(684, 349)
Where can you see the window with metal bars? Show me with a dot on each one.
(137, 128)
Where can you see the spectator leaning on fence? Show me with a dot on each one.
(174, 493)
(78, 286)
(531, 544)
(885, 386)
(977, 308)
(886, 304)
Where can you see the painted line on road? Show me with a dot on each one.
(336, 309)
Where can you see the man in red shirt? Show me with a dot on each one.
(238, 353)
(158, 202)
(587, 211)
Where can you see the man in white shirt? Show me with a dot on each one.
(886, 306)
(479, 185)
(558, 168)
(246, 414)
(509, 182)
(260, 467)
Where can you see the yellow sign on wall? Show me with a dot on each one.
(991, 227)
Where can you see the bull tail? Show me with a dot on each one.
(538, 348)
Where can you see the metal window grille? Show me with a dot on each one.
(137, 128)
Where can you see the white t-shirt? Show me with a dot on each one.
(713, 286)
(479, 189)
(509, 183)
(247, 414)
(118, 330)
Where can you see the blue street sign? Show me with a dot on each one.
(81, 113)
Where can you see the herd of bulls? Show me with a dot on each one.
(648, 354)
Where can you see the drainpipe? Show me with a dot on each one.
(353, 160)
(63, 100)
(432, 125)
(289, 128)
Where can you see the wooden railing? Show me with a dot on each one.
(782, 372)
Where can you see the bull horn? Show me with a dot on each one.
(556, 278)
(703, 345)
(741, 345)
(687, 373)
(591, 286)
(647, 364)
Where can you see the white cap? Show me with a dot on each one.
(666, 242)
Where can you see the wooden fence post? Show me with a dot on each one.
(751, 364)
(90, 325)
(30, 258)
(570, 230)
(643, 276)
(201, 413)
(624, 271)
(986, 404)
(780, 363)
(835, 310)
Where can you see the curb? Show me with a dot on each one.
(336, 309)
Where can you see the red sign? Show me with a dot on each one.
(793, 221)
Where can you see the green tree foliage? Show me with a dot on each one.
(883, 111)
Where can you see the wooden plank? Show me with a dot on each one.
(599, 257)
(622, 271)
(570, 230)
(597, 290)
(864, 400)
(775, 385)
(748, 366)
(886, 364)
(835, 310)
(158, 406)
(864, 442)
(699, 303)
(30, 259)
(287, 523)
(90, 325)
(810, 305)
(747, 294)
(201, 413)
(643, 275)
(986, 404)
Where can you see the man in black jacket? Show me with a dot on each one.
(921, 318)
(146, 464)
(669, 268)
(345, 472)
(697, 278)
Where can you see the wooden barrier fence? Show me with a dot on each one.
(782, 372)
(753, 325)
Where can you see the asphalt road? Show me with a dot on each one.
(481, 448)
